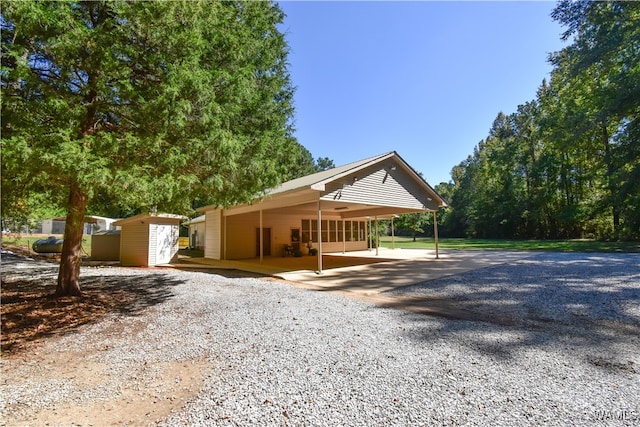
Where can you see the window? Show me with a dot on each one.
(306, 230)
(325, 230)
(314, 230)
(334, 230)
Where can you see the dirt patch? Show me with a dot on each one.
(97, 396)
(90, 390)
(31, 313)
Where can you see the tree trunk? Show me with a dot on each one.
(611, 183)
(69, 273)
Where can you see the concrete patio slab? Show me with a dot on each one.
(363, 272)
(401, 267)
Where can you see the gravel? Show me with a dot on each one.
(558, 343)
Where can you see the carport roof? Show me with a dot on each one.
(317, 182)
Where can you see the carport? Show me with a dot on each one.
(331, 211)
(363, 273)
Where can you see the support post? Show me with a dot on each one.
(224, 237)
(319, 238)
(344, 238)
(370, 235)
(377, 237)
(261, 242)
(393, 235)
(435, 232)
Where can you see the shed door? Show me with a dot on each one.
(167, 235)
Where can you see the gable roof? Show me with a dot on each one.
(320, 180)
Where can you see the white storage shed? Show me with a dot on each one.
(148, 240)
(197, 232)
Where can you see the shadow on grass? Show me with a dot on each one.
(30, 312)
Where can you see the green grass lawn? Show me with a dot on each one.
(518, 245)
(24, 242)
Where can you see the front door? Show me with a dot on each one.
(266, 242)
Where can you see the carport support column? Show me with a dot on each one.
(260, 239)
(435, 232)
(377, 237)
(319, 238)
(224, 236)
(393, 235)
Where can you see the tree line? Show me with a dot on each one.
(567, 163)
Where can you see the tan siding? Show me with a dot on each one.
(105, 247)
(281, 226)
(379, 186)
(338, 246)
(134, 245)
(213, 243)
(241, 235)
(299, 198)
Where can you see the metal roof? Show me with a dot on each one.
(324, 176)
(318, 180)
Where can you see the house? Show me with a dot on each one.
(92, 224)
(196, 232)
(329, 211)
(149, 239)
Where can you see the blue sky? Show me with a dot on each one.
(425, 79)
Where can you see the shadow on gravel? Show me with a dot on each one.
(588, 301)
(224, 272)
(30, 312)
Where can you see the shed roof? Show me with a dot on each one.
(196, 220)
(90, 219)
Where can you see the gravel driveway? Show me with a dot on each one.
(552, 339)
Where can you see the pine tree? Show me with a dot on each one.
(143, 104)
